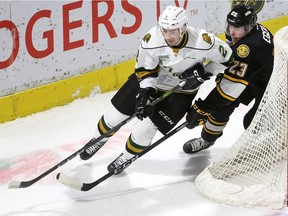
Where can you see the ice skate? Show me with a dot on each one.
(195, 145)
(121, 159)
(90, 151)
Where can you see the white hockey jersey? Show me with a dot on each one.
(158, 65)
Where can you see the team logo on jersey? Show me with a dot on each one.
(243, 51)
(147, 38)
(207, 38)
(257, 5)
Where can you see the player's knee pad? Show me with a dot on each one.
(113, 117)
(109, 120)
(141, 136)
(212, 129)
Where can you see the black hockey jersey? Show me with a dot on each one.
(248, 76)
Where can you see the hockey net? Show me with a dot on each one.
(253, 172)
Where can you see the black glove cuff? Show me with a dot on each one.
(203, 108)
(148, 91)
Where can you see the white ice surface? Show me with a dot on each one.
(161, 183)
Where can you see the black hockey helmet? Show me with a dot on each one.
(242, 15)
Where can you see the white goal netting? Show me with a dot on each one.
(254, 171)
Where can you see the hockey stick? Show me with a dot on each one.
(25, 184)
(74, 183)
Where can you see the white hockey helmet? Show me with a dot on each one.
(172, 18)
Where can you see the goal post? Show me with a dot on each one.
(253, 172)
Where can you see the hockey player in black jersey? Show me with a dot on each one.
(169, 53)
(245, 80)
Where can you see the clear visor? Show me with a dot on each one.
(234, 34)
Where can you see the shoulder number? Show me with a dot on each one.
(266, 35)
(222, 51)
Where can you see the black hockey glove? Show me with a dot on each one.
(198, 114)
(194, 76)
(143, 99)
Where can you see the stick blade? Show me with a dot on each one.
(14, 184)
(21, 184)
(69, 181)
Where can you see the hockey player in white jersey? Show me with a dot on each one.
(169, 53)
